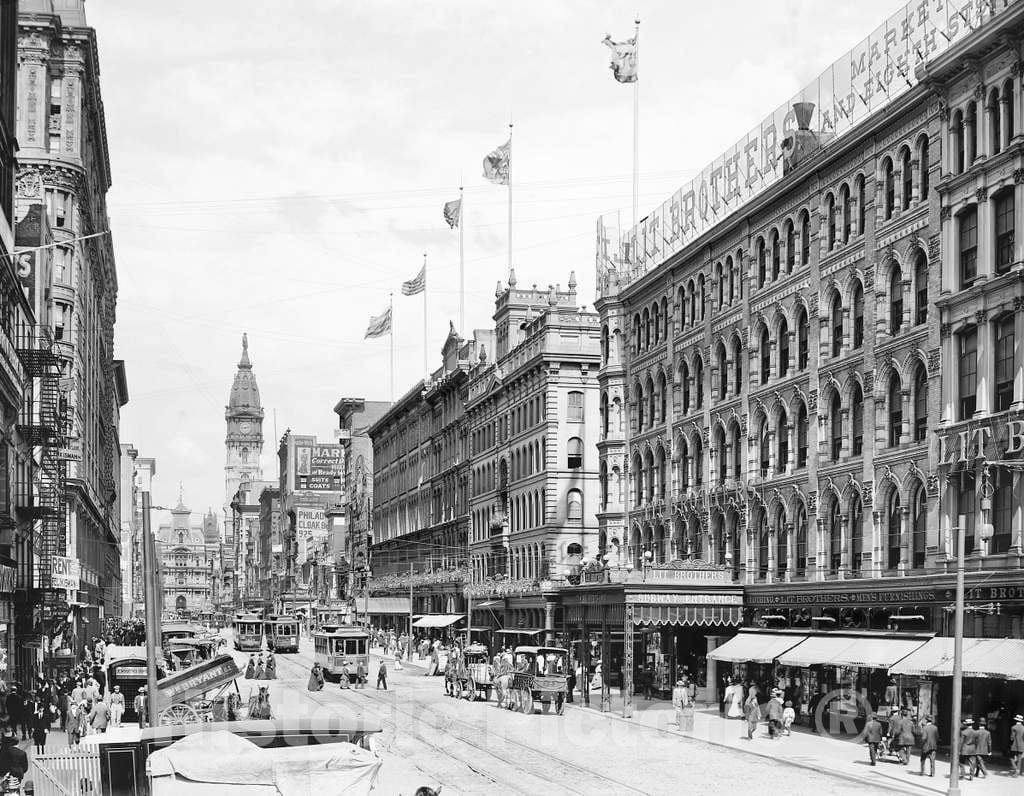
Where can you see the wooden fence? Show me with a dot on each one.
(69, 772)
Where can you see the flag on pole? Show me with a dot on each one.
(453, 212)
(410, 287)
(380, 325)
(496, 164)
(624, 60)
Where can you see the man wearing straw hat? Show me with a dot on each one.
(1016, 745)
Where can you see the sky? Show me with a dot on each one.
(280, 167)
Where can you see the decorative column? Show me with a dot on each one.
(968, 144)
(915, 180)
(904, 540)
(772, 452)
(908, 302)
(986, 364)
(790, 448)
(986, 257)
(1018, 354)
(770, 575)
(844, 545)
(627, 663)
(847, 434)
(905, 414)
(1005, 132)
(790, 552)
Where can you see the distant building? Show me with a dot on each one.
(188, 554)
(271, 566)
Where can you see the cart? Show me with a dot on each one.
(475, 675)
(189, 696)
(541, 675)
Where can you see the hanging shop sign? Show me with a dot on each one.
(1005, 438)
(686, 599)
(65, 573)
(687, 574)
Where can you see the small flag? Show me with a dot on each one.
(624, 60)
(497, 162)
(417, 284)
(453, 212)
(380, 325)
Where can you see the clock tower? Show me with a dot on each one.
(244, 441)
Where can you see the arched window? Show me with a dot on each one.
(1008, 109)
(604, 345)
(920, 289)
(575, 453)
(844, 203)
(920, 532)
(698, 463)
(1005, 230)
(858, 315)
(781, 547)
(723, 373)
(972, 132)
(835, 537)
(737, 453)
(659, 464)
(800, 551)
(830, 215)
(956, 128)
(920, 404)
(244, 455)
(652, 418)
(684, 464)
(892, 532)
(889, 188)
(720, 446)
(720, 284)
(790, 246)
(662, 398)
(836, 322)
(923, 165)
(764, 350)
(776, 255)
(647, 329)
(783, 348)
(703, 297)
(782, 440)
(764, 539)
(995, 123)
(603, 477)
(656, 322)
(682, 308)
(895, 411)
(967, 372)
(907, 173)
(857, 420)
(639, 392)
(731, 275)
(856, 533)
(693, 302)
(737, 363)
(802, 340)
(604, 414)
(698, 380)
(801, 436)
(684, 380)
(574, 506)
(895, 300)
(805, 237)
(765, 450)
(862, 213)
(835, 417)
(761, 267)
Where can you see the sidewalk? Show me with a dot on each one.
(806, 749)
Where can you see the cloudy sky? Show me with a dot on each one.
(279, 167)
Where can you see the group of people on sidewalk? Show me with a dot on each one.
(258, 669)
(779, 714)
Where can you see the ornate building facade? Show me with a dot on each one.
(188, 561)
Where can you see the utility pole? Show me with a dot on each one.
(408, 644)
(958, 662)
(152, 616)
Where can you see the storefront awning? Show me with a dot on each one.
(487, 604)
(1001, 658)
(438, 620)
(523, 632)
(384, 605)
(756, 647)
(815, 650)
(700, 615)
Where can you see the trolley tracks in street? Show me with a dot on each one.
(515, 766)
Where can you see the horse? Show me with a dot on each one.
(503, 688)
(450, 681)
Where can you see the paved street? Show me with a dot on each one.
(476, 748)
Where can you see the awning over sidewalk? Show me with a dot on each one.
(1001, 658)
(384, 605)
(438, 620)
(815, 650)
(688, 615)
(841, 650)
(521, 632)
(756, 647)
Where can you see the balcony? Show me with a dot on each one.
(417, 579)
(500, 586)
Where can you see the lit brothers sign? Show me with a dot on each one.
(971, 443)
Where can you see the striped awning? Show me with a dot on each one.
(1000, 658)
(700, 615)
(384, 605)
(756, 647)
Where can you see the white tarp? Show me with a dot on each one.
(223, 763)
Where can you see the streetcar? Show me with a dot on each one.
(282, 633)
(218, 620)
(337, 645)
(248, 633)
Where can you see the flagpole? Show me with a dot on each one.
(462, 270)
(391, 343)
(426, 372)
(510, 197)
(636, 122)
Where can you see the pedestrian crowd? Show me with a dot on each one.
(259, 669)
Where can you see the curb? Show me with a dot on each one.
(893, 786)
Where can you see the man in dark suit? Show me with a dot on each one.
(929, 744)
(1017, 745)
(968, 749)
(983, 748)
(873, 736)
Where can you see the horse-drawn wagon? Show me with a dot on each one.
(540, 675)
(468, 674)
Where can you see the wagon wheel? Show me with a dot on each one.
(470, 688)
(527, 702)
(178, 714)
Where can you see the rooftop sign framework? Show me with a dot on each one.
(864, 80)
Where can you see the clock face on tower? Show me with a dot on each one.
(245, 427)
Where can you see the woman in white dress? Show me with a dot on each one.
(734, 699)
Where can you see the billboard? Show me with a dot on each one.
(318, 468)
(864, 80)
(310, 521)
(65, 573)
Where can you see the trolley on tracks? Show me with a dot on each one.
(282, 633)
(541, 675)
(335, 646)
(248, 633)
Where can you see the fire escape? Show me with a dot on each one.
(44, 425)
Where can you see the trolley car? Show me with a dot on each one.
(248, 633)
(338, 645)
(282, 633)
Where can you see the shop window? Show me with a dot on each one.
(1005, 364)
(967, 223)
(968, 372)
(1004, 212)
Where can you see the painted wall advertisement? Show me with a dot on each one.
(310, 521)
(318, 468)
